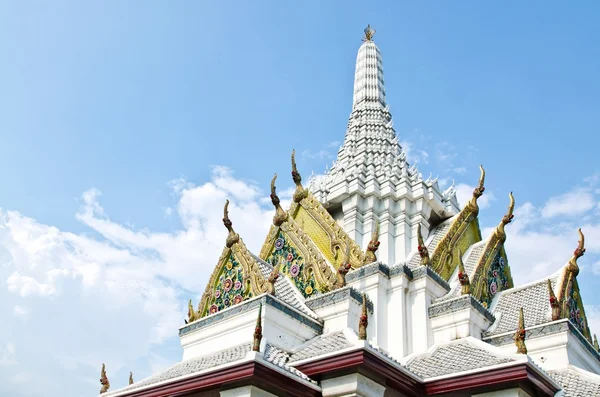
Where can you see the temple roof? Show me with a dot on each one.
(577, 382)
(322, 345)
(456, 357)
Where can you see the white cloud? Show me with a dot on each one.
(7, 355)
(114, 298)
(572, 203)
(328, 151)
(464, 193)
(414, 156)
(460, 170)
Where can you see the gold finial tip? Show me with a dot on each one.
(369, 33)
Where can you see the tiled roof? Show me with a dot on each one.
(284, 289)
(434, 238)
(280, 358)
(455, 357)
(320, 345)
(191, 366)
(577, 383)
(533, 298)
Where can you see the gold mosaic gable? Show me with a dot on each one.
(325, 232)
(235, 279)
(572, 306)
(463, 233)
(298, 257)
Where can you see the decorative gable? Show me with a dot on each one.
(463, 233)
(236, 278)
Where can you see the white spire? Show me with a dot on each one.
(369, 89)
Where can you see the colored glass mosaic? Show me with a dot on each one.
(575, 314)
(292, 265)
(497, 279)
(229, 289)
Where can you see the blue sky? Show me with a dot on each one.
(147, 102)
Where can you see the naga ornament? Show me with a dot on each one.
(364, 320)
(520, 335)
(343, 269)
(554, 303)
(370, 256)
(280, 214)
(300, 193)
(232, 237)
(422, 248)
(258, 330)
(104, 380)
(463, 277)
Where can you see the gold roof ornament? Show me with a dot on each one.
(369, 33)
(273, 277)
(478, 191)
(370, 256)
(233, 237)
(300, 193)
(343, 269)
(573, 267)
(104, 380)
(422, 248)
(192, 314)
(364, 320)
(596, 346)
(499, 233)
(520, 334)
(258, 330)
(463, 276)
(554, 303)
(130, 378)
(280, 214)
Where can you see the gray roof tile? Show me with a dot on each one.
(533, 298)
(453, 358)
(320, 345)
(280, 358)
(191, 366)
(576, 384)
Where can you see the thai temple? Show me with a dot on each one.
(375, 283)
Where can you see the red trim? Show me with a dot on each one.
(494, 379)
(246, 374)
(366, 363)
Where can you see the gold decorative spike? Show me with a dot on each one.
(370, 256)
(554, 303)
(130, 378)
(104, 380)
(506, 219)
(273, 278)
(442, 258)
(364, 320)
(258, 330)
(192, 314)
(343, 269)
(280, 214)
(463, 277)
(422, 248)
(520, 335)
(596, 343)
(300, 192)
(573, 267)
(233, 237)
(369, 33)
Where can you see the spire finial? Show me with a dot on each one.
(130, 378)
(520, 334)
(463, 277)
(422, 248)
(369, 33)
(364, 320)
(554, 304)
(280, 214)
(300, 192)
(233, 237)
(573, 267)
(258, 330)
(104, 380)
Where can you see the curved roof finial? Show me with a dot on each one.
(369, 33)
(104, 380)
(573, 267)
(130, 378)
(280, 214)
(506, 219)
(300, 192)
(422, 248)
(463, 276)
(520, 334)
(232, 237)
(554, 303)
(364, 320)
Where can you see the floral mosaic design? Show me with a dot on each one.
(229, 290)
(292, 266)
(497, 279)
(575, 314)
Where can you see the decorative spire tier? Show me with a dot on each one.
(371, 178)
